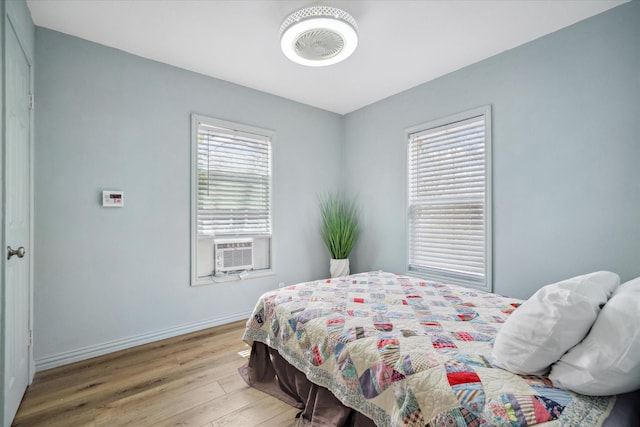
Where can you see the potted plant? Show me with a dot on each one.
(339, 230)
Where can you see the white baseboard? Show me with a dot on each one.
(77, 355)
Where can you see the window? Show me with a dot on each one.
(449, 199)
(231, 200)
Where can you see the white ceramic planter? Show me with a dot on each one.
(339, 267)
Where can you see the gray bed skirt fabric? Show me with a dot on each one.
(626, 412)
(269, 372)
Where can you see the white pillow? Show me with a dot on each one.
(553, 320)
(608, 360)
(630, 285)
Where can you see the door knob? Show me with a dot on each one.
(11, 252)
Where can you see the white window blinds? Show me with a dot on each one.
(448, 215)
(233, 182)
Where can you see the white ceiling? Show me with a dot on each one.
(402, 43)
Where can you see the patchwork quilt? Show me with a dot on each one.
(409, 352)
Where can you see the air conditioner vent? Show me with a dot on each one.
(233, 255)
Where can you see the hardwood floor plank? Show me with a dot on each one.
(284, 419)
(196, 386)
(191, 380)
(202, 414)
(233, 382)
(252, 414)
(94, 394)
(76, 417)
(121, 384)
(153, 406)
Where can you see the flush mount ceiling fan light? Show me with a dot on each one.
(318, 35)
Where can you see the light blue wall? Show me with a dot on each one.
(566, 154)
(566, 181)
(110, 120)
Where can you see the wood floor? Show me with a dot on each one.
(191, 380)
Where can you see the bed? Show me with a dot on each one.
(384, 349)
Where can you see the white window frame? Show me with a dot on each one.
(443, 275)
(195, 280)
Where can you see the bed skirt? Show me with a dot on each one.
(269, 372)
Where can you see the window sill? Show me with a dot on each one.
(235, 277)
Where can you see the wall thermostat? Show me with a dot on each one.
(113, 199)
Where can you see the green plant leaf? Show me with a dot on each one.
(340, 228)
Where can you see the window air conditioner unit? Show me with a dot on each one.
(233, 255)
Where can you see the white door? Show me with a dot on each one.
(17, 225)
